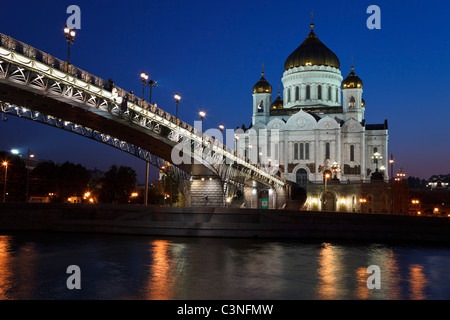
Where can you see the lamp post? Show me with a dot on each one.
(202, 115)
(5, 164)
(221, 128)
(163, 170)
(327, 176)
(236, 138)
(335, 168)
(30, 156)
(391, 161)
(70, 37)
(144, 78)
(152, 84)
(376, 156)
(177, 98)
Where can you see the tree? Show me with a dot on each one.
(16, 177)
(64, 180)
(118, 184)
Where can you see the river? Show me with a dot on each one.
(119, 267)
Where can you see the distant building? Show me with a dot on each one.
(440, 183)
(39, 200)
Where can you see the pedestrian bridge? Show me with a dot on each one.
(37, 86)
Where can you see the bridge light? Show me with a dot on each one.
(221, 127)
(202, 114)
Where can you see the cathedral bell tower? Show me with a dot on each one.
(353, 103)
(262, 100)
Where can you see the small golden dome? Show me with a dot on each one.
(278, 103)
(352, 81)
(262, 86)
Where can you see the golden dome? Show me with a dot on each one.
(278, 103)
(312, 52)
(352, 81)
(262, 86)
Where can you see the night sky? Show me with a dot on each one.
(211, 53)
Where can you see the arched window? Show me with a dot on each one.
(261, 106)
(297, 93)
(302, 151)
(352, 153)
(327, 151)
(295, 151)
(352, 102)
(337, 95)
(288, 95)
(308, 92)
(319, 92)
(307, 151)
(329, 94)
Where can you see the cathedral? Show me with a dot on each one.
(316, 134)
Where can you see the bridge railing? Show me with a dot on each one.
(28, 51)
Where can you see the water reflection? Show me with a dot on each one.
(330, 272)
(161, 281)
(33, 267)
(362, 291)
(417, 281)
(5, 267)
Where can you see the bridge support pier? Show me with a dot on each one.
(207, 192)
(264, 197)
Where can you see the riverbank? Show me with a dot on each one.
(222, 222)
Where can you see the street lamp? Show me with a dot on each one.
(335, 168)
(376, 156)
(236, 138)
(152, 84)
(202, 115)
(70, 37)
(5, 164)
(28, 166)
(327, 176)
(177, 101)
(144, 78)
(221, 128)
(391, 161)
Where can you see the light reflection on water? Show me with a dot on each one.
(33, 266)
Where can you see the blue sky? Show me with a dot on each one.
(211, 52)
